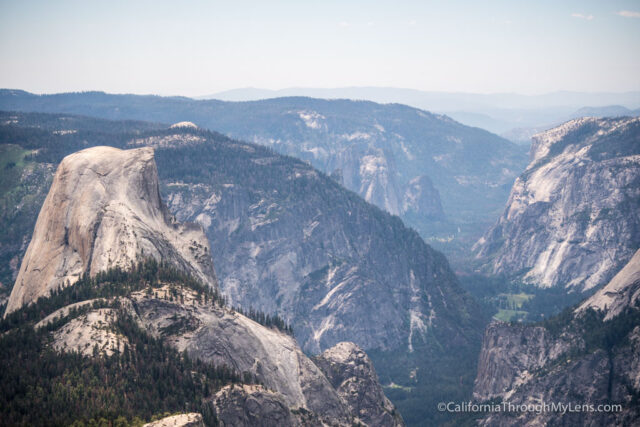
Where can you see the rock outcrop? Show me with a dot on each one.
(351, 373)
(512, 353)
(225, 337)
(107, 202)
(572, 218)
(294, 391)
(104, 210)
(422, 198)
(621, 292)
(254, 405)
(90, 334)
(192, 419)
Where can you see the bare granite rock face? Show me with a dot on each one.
(291, 240)
(294, 391)
(224, 337)
(90, 332)
(254, 405)
(352, 374)
(104, 210)
(572, 218)
(511, 354)
(596, 378)
(192, 419)
(567, 361)
(422, 198)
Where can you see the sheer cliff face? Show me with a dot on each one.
(104, 210)
(572, 217)
(567, 360)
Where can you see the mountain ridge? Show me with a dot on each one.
(381, 151)
(237, 191)
(571, 219)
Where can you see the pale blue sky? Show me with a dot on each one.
(199, 47)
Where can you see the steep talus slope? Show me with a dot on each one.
(109, 206)
(572, 217)
(381, 151)
(589, 356)
(104, 210)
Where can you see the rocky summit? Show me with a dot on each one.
(572, 218)
(104, 210)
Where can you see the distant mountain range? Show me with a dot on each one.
(440, 101)
(501, 113)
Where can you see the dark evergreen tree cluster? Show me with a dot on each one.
(270, 321)
(39, 386)
(111, 283)
(596, 332)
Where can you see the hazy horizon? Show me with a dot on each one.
(200, 48)
(328, 88)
